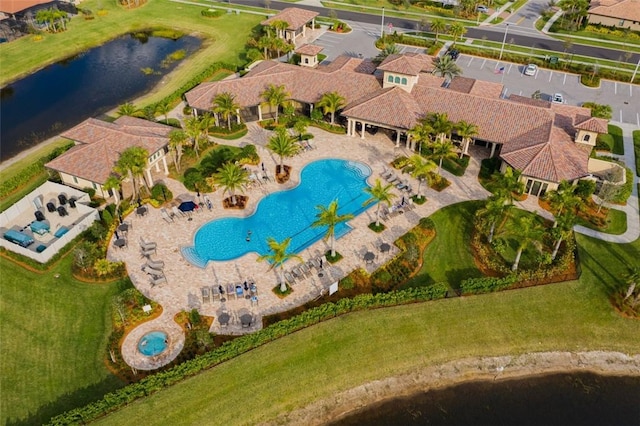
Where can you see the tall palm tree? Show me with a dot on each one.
(328, 217)
(562, 229)
(491, 214)
(114, 183)
(437, 26)
(192, 130)
(128, 109)
(232, 178)
(446, 67)
(508, 184)
(562, 198)
(225, 104)
(177, 139)
(283, 145)
(330, 103)
(379, 194)
(280, 27)
(163, 108)
(466, 131)
(388, 49)
(421, 133)
(133, 162)
(456, 30)
(441, 150)
(441, 125)
(277, 257)
(528, 232)
(421, 168)
(266, 43)
(275, 96)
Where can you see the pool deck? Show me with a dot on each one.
(182, 291)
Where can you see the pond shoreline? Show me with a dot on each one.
(458, 372)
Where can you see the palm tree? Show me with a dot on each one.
(225, 104)
(563, 227)
(421, 168)
(562, 198)
(192, 130)
(441, 125)
(277, 257)
(280, 27)
(528, 232)
(446, 67)
(466, 131)
(633, 279)
(437, 26)
(388, 49)
(232, 178)
(300, 127)
(508, 184)
(128, 109)
(283, 146)
(457, 29)
(491, 214)
(329, 217)
(177, 139)
(330, 103)
(379, 194)
(266, 43)
(133, 162)
(421, 132)
(441, 150)
(114, 183)
(163, 108)
(275, 96)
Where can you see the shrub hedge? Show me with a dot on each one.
(151, 384)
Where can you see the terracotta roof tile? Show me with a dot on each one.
(293, 16)
(620, 9)
(392, 106)
(594, 124)
(309, 49)
(530, 101)
(408, 63)
(472, 86)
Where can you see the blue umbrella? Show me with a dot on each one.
(187, 206)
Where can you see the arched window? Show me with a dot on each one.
(586, 138)
(404, 81)
(390, 79)
(397, 80)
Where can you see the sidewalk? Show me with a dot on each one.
(631, 208)
(496, 14)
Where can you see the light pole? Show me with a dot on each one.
(635, 72)
(506, 29)
(382, 25)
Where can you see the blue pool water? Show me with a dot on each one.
(153, 343)
(286, 214)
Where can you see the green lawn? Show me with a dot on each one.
(636, 149)
(618, 139)
(357, 348)
(448, 257)
(54, 334)
(616, 223)
(224, 39)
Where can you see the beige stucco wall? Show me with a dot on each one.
(593, 136)
(77, 182)
(608, 169)
(613, 22)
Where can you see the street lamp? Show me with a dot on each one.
(382, 25)
(635, 72)
(506, 29)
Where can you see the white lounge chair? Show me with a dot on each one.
(165, 215)
(158, 280)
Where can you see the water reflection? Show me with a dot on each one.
(89, 84)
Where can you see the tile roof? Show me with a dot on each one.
(100, 144)
(309, 49)
(15, 6)
(304, 84)
(392, 106)
(594, 124)
(620, 9)
(530, 101)
(472, 86)
(293, 16)
(408, 63)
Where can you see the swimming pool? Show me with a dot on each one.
(286, 214)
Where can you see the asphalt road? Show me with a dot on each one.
(515, 36)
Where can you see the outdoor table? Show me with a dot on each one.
(120, 242)
(123, 227)
(369, 256)
(384, 247)
(246, 320)
(141, 211)
(224, 318)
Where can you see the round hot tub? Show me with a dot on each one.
(153, 343)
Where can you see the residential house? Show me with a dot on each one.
(615, 13)
(297, 21)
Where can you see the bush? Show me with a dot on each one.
(107, 217)
(249, 155)
(209, 13)
(161, 193)
(193, 179)
(486, 284)
(426, 223)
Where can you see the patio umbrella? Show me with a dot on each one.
(187, 206)
(224, 318)
(246, 319)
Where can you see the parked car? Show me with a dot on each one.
(453, 53)
(530, 69)
(482, 9)
(557, 98)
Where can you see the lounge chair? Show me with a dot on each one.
(315, 262)
(239, 292)
(156, 264)
(402, 184)
(297, 273)
(176, 212)
(205, 294)
(144, 245)
(386, 174)
(215, 293)
(392, 179)
(305, 269)
(289, 278)
(231, 290)
(158, 280)
(165, 215)
(147, 253)
(152, 271)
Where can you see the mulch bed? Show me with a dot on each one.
(283, 176)
(241, 202)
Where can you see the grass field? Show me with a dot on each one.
(345, 352)
(53, 333)
(224, 39)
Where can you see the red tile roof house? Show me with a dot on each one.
(297, 21)
(615, 13)
(547, 142)
(99, 145)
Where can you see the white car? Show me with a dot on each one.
(557, 98)
(530, 69)
(482, 9)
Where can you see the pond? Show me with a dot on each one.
(64, 94)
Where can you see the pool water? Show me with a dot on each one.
(286, 214)
(153, 343)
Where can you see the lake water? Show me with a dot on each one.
(559, 399)
(62, 95)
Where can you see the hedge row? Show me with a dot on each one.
(149, 385)
(486, 284)
(10, 183)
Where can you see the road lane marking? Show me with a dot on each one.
(621, 116)
(550, 75)
(631, 90)
(483, 62)
(509, 68)
(564, 80)
(470, 60)
(615, 87)
(519, 21)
